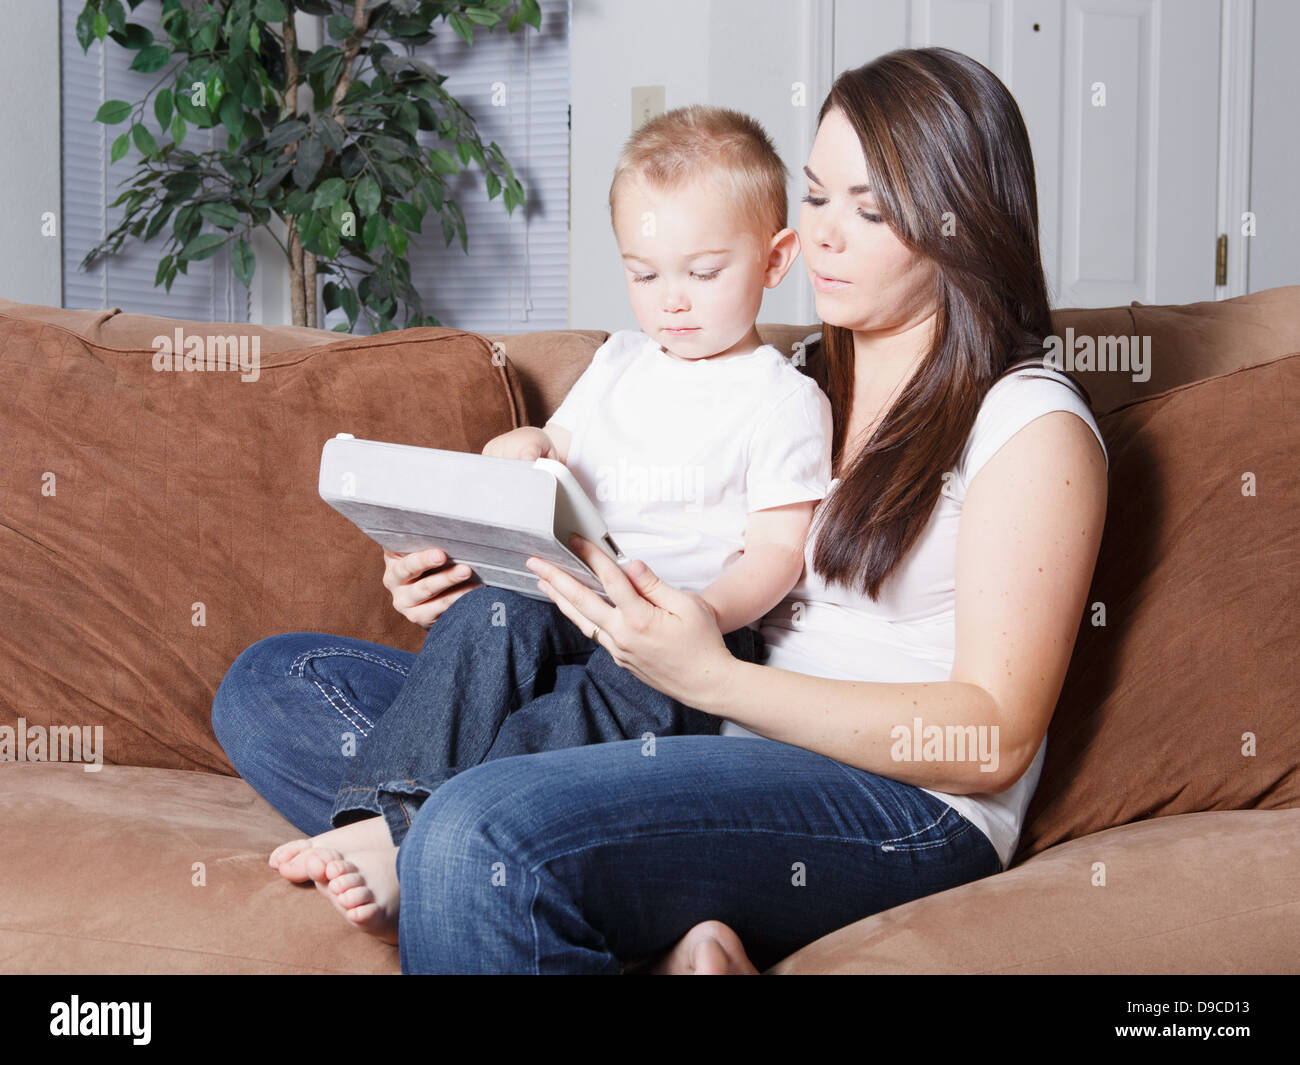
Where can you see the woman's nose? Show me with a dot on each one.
(826, 234)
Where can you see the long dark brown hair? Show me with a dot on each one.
(940, 133)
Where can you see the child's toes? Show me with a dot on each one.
(362, 914)
(338, 867)
(357, 896)
(315, 861)
(345, 881)
(285, 851)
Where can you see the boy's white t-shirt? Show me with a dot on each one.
(909, 634)
(677, 453)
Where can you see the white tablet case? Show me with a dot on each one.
(489, 513)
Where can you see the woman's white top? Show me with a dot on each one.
(909, 635)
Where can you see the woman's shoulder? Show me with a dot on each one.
(1019, 397)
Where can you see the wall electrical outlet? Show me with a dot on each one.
(647, 101)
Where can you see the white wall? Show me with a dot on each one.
(730, 52)
(1275, 148)
(31, 269)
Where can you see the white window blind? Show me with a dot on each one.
(210, 291)
(515, 277)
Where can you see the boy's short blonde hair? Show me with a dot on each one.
(688, 143)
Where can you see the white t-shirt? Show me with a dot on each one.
(676, 453)
(910, 634)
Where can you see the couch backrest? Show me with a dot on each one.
(1185, 342)
(1181, 691)
(175, 489)
(154, 524)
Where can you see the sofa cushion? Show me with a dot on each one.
(547, 364)
(114, 328)
(157, 523)
(132, 870)
(1214, 892)
(1184, 699)
(1188, 342)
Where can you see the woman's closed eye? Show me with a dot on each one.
(817, 201)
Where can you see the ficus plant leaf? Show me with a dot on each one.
(349, 176)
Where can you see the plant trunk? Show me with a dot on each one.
(298, 302)
(309, 286)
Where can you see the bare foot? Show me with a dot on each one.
(290, 859)
(363, 887)
(708, 949)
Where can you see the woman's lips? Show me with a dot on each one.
(827, 284)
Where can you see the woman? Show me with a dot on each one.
(889, 746)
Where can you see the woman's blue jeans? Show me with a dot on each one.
(483, 688)
(582, 859)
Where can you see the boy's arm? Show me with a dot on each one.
(769, 567)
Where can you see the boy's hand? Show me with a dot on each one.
(527, 442)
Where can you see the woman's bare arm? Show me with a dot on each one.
(1030, 529)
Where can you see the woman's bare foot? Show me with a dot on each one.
(708, 949)
(363, 887)
(292, 859)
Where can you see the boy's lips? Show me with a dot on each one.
(679, 331)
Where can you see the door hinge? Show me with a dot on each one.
(1221, 260)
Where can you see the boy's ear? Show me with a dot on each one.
(783, 250)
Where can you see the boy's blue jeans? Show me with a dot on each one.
(578, 860)
(484, 687)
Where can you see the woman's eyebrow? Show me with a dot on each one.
(854, 190)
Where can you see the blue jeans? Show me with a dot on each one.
(579, 860)
(483, 688)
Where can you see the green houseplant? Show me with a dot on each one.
(346, 175)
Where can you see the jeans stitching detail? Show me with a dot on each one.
(917, 832)
(364, 729)
(295, 669)
(532, 920)
(364, 725)
(934, 842)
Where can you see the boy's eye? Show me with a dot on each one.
(708, 275)
(640, 278)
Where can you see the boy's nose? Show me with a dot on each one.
(675, 300)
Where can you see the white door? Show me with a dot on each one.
(1121, 99)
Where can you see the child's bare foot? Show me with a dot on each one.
(363, 887)
(291, 858)
(708, 949)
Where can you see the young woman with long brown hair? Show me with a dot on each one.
(889, 745)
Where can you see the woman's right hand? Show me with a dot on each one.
(421, 596)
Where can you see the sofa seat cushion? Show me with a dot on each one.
(99, 876)
(1197, 893)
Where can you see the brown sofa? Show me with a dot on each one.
(153, 524)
